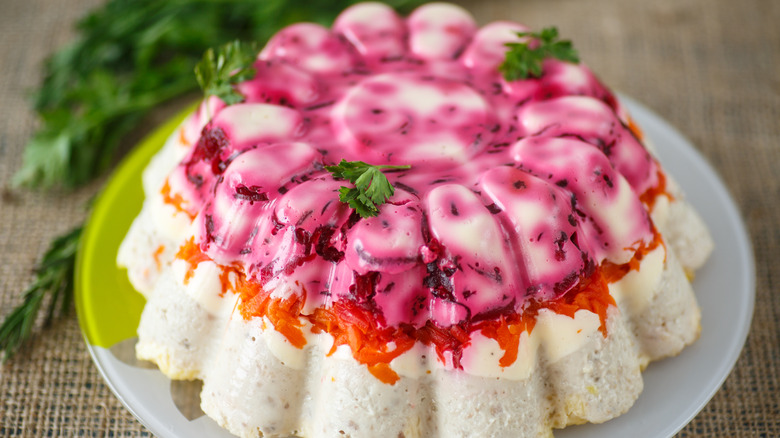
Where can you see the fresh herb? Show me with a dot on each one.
(524, 59)
(371, 185)
(54, 277)
(220, 70)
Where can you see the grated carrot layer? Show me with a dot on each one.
(374, 344)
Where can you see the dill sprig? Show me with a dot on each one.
(53, 277)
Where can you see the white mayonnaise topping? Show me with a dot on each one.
(636, 289)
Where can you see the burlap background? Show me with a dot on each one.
(710, 67)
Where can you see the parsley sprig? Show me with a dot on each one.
(220, 70)
(524, 59)
(371, 189)
(53, 277)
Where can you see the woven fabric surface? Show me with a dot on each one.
(709, 67)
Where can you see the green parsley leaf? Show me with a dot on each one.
(524, 59)
(220, 70)
(371, 190)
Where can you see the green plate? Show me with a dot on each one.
(109, 308)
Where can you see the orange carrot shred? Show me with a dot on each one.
(183, 138)
(384, 373)
(190, 252)
(157, 253)
(176, 200)
(635, 129)
(650, 195)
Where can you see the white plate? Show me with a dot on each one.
(676, 389)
